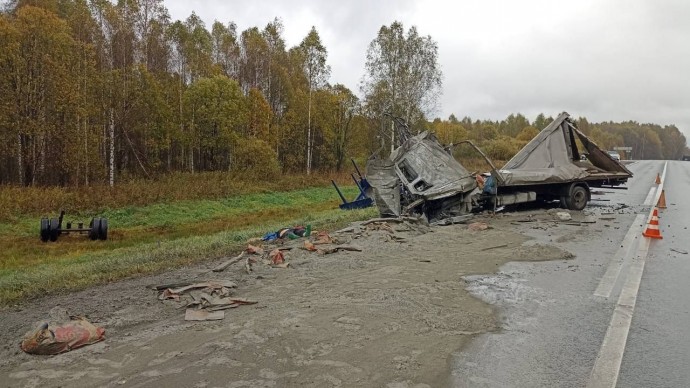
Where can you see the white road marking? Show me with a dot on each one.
(608, 363)
(621, 256)
(650, 196)
(660, 187)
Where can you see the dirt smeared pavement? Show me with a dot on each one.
(390, 315)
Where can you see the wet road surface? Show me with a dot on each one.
(658, 348)
(618, 314)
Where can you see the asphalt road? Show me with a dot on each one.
(615, 315)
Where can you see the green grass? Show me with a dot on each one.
(154, 237)
(16, 202)
(168, 215)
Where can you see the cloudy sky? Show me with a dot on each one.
(603, 59)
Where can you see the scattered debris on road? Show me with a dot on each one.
(290, 233)
(463, 219)
(478, 226)
(276, 257)
(251, 249)
(221, 287)
(222, 266)
(329, 250)
(62, 334)
(564, 216)
(589, 219)
(204, 301)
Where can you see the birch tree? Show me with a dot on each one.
(317, 72)
(404, 68)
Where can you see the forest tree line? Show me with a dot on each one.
(95, 91)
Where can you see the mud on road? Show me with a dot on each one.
(390, 315)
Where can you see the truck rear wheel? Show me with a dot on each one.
(45, 229)
(577, 200)
(54, 229)
(103, 231)
(95, 230)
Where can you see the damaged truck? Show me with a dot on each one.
(422, 177)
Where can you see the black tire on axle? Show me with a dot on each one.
(54, 229)
(103, 230)
(577, 200)
(45, 230)
(95, 226)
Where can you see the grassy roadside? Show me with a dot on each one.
(16, 202)
(169, 216)
(154, 237)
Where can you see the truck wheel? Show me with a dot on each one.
(54, 229)
(103, 230)
(577, 200)
(95, 226)
(45, 230)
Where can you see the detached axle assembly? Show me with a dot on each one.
(52, 228)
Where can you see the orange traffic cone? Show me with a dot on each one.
(661, 204)
(658, 179)
(652, 230)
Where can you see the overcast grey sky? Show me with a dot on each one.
(606, 60)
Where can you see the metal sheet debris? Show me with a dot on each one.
(222, 266)
(204, 300)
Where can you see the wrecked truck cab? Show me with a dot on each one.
(420, 177)
(428, 170)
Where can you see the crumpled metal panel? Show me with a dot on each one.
(428, 170)
(385, 186)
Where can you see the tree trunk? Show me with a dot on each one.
(111, 135)
(20, 160)
(86, 153)
(393, 112)
(42, 155)
(169, 153)
(191, 158)
(34, 158)
(309, 135)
